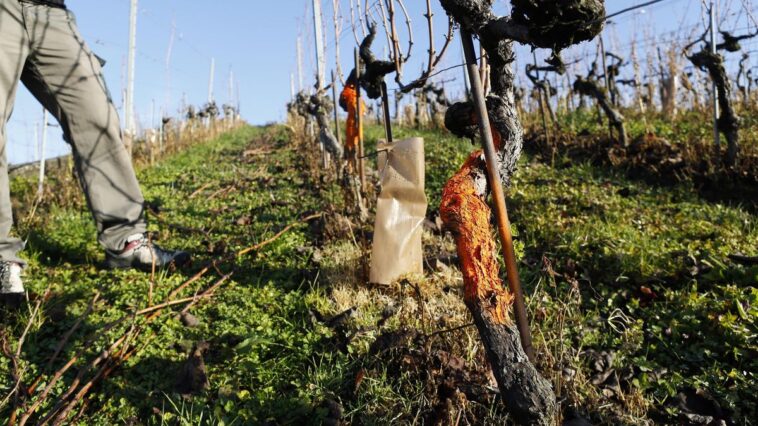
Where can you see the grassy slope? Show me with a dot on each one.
(592, 244)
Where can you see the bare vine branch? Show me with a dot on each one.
(352, 22)
(337, 35)
(397, 56)
(410, 29)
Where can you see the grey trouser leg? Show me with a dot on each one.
(64, 74)
(14, 48)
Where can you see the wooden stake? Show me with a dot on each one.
(501, 212)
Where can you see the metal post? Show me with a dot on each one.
(504, 226)
(299, 65)
(211, 77)
(231, 86)
(237, 99)
(161, 135)
(320, 65)
(359, 121)
(151, 136)
(386, 108)
(716, 137)
(169, 51)
(292, 86)
(43, 143)
(466, 79)
(129, 100)
(318, 35)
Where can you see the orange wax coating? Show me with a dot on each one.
(348, 97)
(467, 215)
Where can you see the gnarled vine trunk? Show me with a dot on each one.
(464, 210)
(728, 121)
(588, 87)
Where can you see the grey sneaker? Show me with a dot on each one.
(11, 287)
(140, 253)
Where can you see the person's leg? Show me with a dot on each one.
(14, 48)
(71, 74)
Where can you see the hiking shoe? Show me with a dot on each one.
(140, 253)
(11, 287)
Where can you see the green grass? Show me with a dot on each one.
(594, 248)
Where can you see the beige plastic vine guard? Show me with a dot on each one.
(400, 211)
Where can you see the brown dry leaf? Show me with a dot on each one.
(358, 380)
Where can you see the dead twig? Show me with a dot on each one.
(15, 358)
(193, 279)
(73, 329)
(278, 234)
(152, 310)
(449, 330)
(74, 385)
(207, 293)
(29, 323)
(222, 191)
(107, 367)
(199, 190)
(115, 360)
(103, 357)
(5, 349)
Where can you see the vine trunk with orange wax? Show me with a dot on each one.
(555, 25)
(348, 100)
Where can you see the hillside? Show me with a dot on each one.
(637, 311)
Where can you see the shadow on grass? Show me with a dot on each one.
(53, 253)
(659, 166)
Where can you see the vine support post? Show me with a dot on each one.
(129, 125)
(320, 66)
(501, 212)
(465, 80)
(716, 137)
(359, 121)
(336, 114)
(542, 105)
(386, 109)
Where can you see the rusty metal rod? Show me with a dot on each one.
(359, 122)
(501, 212)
